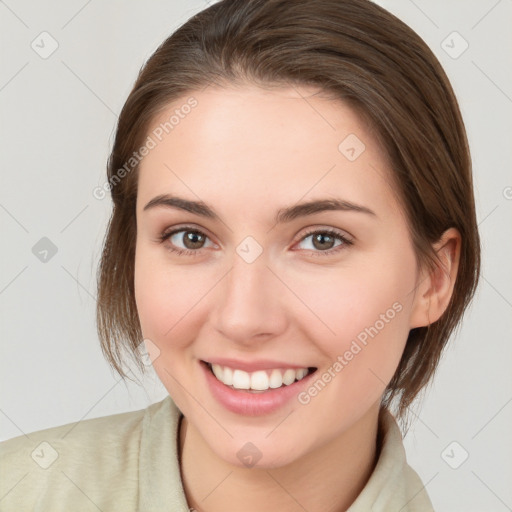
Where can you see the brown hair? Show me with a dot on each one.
(358, 53)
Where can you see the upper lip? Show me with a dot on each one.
(253, 366)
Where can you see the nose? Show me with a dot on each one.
(248, 306)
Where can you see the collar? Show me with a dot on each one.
(393, 485)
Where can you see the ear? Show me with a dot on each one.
(435, 287)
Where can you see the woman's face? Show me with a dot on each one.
(266, 288)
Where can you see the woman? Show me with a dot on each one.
(293, 239)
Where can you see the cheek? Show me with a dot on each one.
(362, 320)
(361, 358)
(168, 304)
(166, 297)
(349, 303)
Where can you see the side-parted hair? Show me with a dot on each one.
(354, 51)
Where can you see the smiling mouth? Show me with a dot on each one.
(258, 381)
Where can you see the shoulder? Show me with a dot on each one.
(96, 437)
(72, 434)
(88, 463)
(393, 485)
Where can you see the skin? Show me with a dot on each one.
(247, 152)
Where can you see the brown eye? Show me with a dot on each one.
(185, 241)
(193, 239)
(325, 241)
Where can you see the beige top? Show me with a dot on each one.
(129, 462)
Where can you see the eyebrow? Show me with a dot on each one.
(283, 215)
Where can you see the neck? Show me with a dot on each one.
(328, 479)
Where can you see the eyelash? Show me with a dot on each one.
(189, 252)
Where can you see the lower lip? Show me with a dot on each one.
(252, 404)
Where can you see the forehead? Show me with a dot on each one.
(250, 146)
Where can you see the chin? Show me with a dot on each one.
(257, 454)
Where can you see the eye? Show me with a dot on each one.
(191, 240)
(324, 242)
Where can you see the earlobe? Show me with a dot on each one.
(435, 287)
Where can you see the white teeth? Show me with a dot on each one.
(300, 373)
(217, 371)
(260, 380)
(289, 377)
(241, 380)
(276, 379)
(228, 376)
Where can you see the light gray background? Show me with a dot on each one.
(57, 120)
